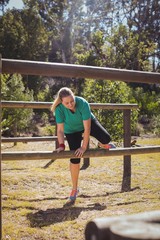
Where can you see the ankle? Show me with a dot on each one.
(73, 191)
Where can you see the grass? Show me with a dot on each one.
(33, 197)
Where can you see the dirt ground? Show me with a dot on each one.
(34, 195)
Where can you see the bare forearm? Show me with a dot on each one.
(85, 142)
(60, 136)
(79, 152)
(60, 133)
(87, 128)
(85, 139)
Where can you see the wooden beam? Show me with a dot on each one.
(29, 139)
(0, 155)
(77, 71)
(47, 105)
(37, 155)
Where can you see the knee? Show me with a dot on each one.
(75, 160)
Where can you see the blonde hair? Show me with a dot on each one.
(63, 92)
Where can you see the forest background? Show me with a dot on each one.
(106, 33)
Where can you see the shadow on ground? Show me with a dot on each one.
(52, 216)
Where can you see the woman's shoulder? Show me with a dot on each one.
(59, 107)
(82, 104)
(80, 100)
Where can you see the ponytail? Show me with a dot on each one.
(56, 102)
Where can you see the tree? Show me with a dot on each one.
(16, 120)
(103, 91)
(57, 17)
(23, 36)
(120, 50)
(3, 3)
(143, 18)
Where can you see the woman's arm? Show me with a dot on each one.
(87, 127)
(60, 135)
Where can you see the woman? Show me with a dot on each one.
(74, 119)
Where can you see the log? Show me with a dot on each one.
(144, 225)
(47, 105)
(77, 71)
(37, 155)
(129, 230)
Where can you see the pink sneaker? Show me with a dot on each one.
(72, 198)
(107, 146)
(74, 194)
(110, 145)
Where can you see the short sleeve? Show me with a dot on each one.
(59, 115)
(86, 112)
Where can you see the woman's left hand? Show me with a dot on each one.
(79, 152)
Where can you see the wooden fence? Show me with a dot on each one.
(126, 108)
(39, 155)
(78, 71)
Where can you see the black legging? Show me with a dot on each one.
(97, 131)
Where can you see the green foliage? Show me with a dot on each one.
(14, 90)
(149, 102)
(23, 36)
(156, 125)
(4, 124)
(49, 130)
(80, 55)
(125, 49)
(110, 92)
(43, 94)
(122, 49)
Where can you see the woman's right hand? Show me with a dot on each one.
(60, 149)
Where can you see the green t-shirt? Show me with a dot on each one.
(73, 122)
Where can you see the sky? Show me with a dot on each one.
(15, 3)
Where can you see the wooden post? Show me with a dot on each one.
(56, 146)
(86, 162)
(56, 142)
(126, 183)
(0, 158)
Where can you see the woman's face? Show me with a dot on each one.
(69, 102)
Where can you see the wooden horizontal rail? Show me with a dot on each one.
(77, 71)
(39, 105)
(29, 139)
(37, 155)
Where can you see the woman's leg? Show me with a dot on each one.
(74, 170)
(101, 134)
(74, 141)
